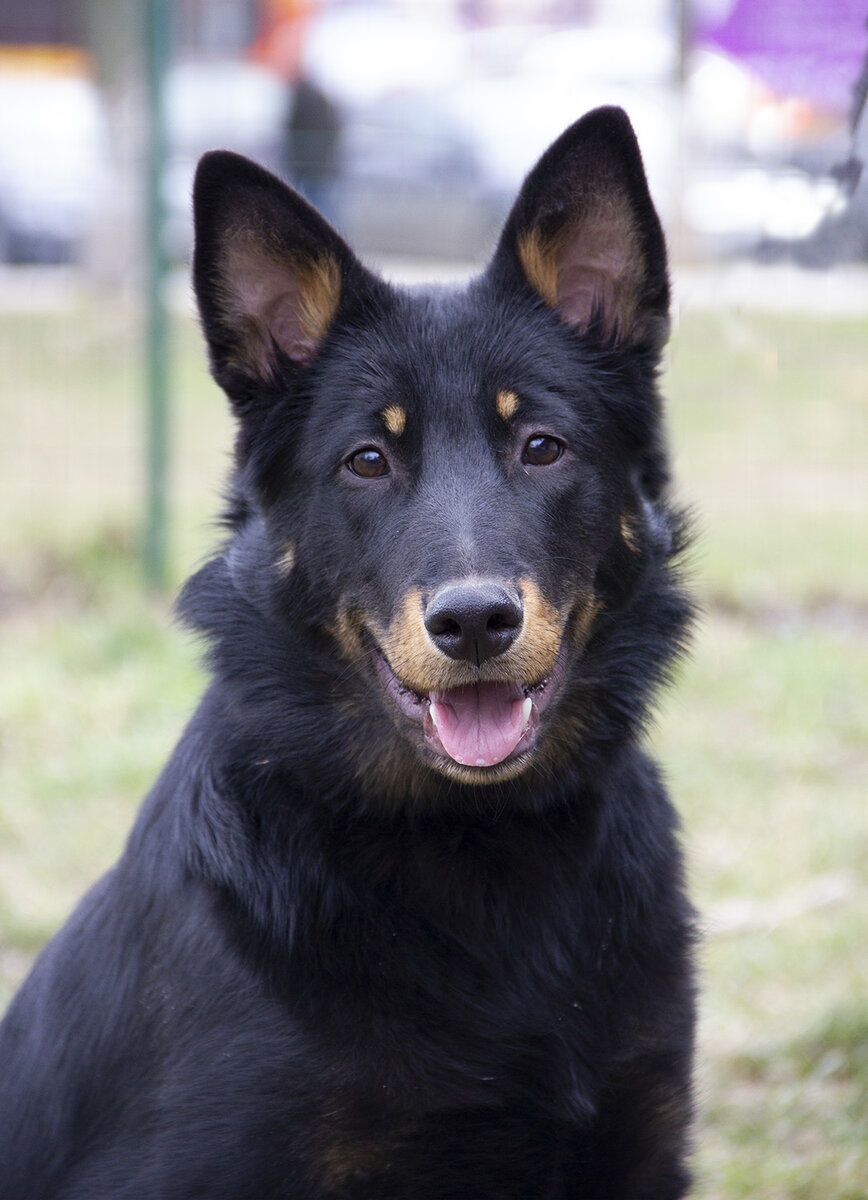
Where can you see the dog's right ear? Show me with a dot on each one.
(268, 271)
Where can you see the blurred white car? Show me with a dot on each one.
(53, 163)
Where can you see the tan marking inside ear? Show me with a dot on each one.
(538, 263)
(286, 561)
(630, 532)
(270, 296)
(507, 404)
(395, 419)
(593, 263)
(321, 293)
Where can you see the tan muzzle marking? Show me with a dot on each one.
(420, 665)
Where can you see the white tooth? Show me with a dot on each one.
(526, 708)
(432, 709)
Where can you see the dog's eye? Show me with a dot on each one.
(542, 450)
(368, 463)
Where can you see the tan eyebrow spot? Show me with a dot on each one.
(507, 403)
(395, 418)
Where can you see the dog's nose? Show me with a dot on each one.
(473, 621)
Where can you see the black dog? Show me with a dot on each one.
(403, 918)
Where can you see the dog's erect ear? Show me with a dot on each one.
(268, 270)
(585, 235)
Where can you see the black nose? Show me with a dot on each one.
(473, 621)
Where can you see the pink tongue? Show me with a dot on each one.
(478, 725)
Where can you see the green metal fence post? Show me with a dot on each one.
(157, 19)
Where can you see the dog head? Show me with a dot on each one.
(450, 495)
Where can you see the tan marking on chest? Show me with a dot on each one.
(352, 1158)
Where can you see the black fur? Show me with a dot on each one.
(332, 961)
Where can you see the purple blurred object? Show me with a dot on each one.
(813, 49)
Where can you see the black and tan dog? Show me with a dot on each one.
(403, 917)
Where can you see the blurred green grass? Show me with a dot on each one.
(765, 738)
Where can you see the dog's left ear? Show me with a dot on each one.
(584, 234)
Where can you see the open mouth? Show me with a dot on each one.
(480, 725)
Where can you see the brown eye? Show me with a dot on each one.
(368, 463)
(541, 450)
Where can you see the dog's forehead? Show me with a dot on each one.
(445, 367)
(440, 352)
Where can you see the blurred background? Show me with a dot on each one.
(411, 123)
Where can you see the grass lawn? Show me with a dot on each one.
(765, 739)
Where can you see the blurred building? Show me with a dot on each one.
(411, 124)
